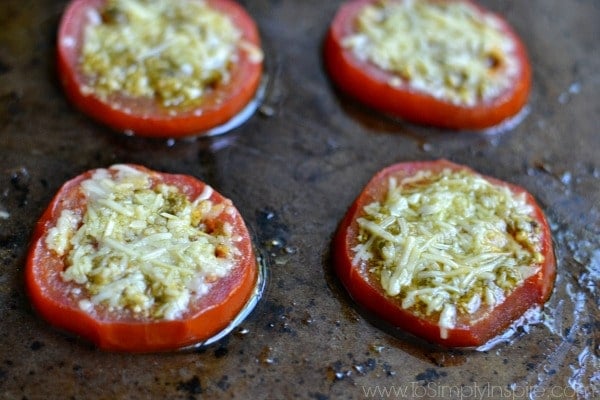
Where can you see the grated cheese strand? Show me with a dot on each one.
(446, 49)
(140, 247)
(448, 243)
(171, 50)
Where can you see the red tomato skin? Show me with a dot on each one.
(143, 117)
(367, 292)
(206, 317)
(369, 84)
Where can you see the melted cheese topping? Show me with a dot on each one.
(171, 50)
(140, 247)
(446, 49)
(449, 243)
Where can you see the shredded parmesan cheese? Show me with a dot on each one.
(446, 49)
(140, 247)
(448, 243)
(171, 50)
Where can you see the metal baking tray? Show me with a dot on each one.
(292, 169)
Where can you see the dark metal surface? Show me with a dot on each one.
(292, 170)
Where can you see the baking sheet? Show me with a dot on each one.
(292, 169)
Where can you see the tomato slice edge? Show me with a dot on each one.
(144, 117)
(234, 291)
(369, 84)
(369, 295)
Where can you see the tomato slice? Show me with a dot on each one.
(395, 94)
(144, 116)
(472, 328)
(59, 300)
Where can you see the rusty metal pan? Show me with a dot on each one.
(292, 169)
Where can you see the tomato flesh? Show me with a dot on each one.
(206, 316)
(470, 330)
(144, 116)
(370, 84)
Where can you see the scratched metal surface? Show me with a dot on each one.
(292, 169)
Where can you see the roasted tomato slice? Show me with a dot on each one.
(445, 253)
(136, 260)
(446, 63)
(159, 69)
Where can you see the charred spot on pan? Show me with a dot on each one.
(4, 67)
(589, 327)
(278, 310)
(191, 386)
(20, 178)
(366, 366)
(221, 351)
(223, 383)
(430, 375)
(15, 299)
(280, 321)
(36, 345)
(11, 102)
(530, 366)
(7, 239)
(388, 369)
(78, 370)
